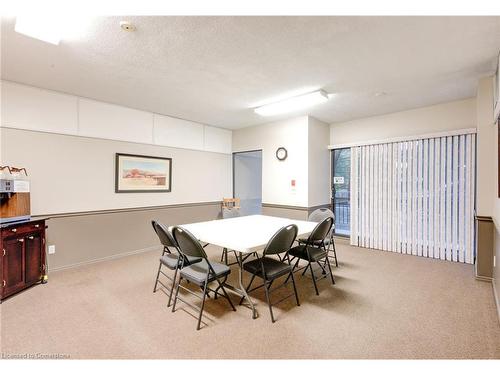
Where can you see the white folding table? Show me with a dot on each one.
(245, 235)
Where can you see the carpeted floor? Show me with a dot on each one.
(384, 305)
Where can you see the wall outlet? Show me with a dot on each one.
(52, 249)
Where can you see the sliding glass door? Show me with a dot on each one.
(341, 183)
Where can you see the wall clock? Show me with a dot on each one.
(281, 153)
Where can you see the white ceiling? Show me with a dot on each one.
(215, 69)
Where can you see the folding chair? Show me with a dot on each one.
(169, 259)
(314, 254)
(269, 269)
(201, 273)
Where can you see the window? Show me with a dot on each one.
(341, 191)
(415, 197)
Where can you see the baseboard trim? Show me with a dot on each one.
(298, 208)
(497, 300)
(342, 239)
(110, 257)
(484, 278)
(272, 205)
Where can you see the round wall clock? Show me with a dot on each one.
(281, 153)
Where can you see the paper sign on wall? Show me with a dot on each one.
(338, 180)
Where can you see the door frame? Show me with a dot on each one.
(242, 152)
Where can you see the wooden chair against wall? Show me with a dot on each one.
(230, 203)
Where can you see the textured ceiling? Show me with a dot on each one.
(215, 69)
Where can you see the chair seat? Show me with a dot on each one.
(316, 243)
(272, 267)
(314, 252)
(170, 260)
(197, 273)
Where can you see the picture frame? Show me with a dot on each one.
(142, 174)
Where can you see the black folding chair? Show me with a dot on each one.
(317, 216)
(313, 253)
(269, 269)
(169, 259)
(201, 273)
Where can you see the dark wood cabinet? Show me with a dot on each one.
(22, 261)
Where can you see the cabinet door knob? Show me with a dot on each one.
(21, 240)
(4, 283)
(4, 252)
(14, 230)
(30, 237)
(37, 225)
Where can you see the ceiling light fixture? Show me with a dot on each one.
(293, 104)
(51, 29)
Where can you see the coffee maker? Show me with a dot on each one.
(14, 195)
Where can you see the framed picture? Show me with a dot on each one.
(142, 174)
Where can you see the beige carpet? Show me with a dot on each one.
(384, 305)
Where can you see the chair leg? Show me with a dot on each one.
(330, 270)
(173, 286)
(225, 294)
(247, 288)
(314, 279)
(157, 277)
(335, 253)
(295, 289)
(176, 293)
(293, 268)
(269, 301)
(202, 304)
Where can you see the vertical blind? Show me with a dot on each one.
(415, 197)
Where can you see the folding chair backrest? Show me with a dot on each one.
(163, 234)
(321, 231)
(282, 240)
(320, 214)
(188, 244)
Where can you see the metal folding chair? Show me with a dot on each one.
(169, 259)
(310, 252)
(317, 216)
(201, 273)
(269, 269)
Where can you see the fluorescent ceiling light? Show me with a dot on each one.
(293, 104)
(51, 29)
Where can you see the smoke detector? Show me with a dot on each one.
(127, 26)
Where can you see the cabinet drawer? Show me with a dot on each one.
(22, 228)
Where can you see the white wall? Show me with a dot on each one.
(68, 146)
(277, 175)
(31, 108)
(487, 139)
(319, 190)
(76, 174)
(459, 114)
(488, 203)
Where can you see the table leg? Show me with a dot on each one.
(243, 290)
